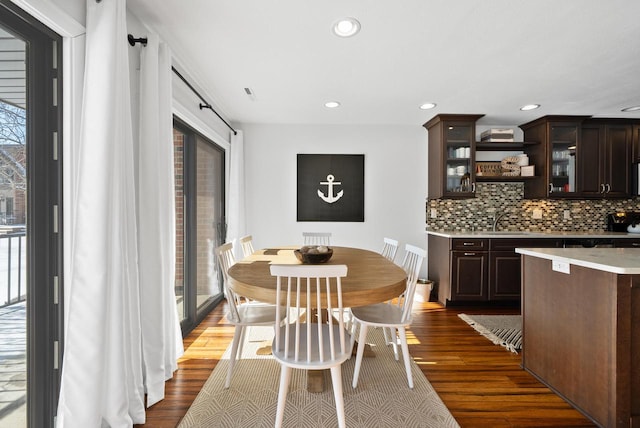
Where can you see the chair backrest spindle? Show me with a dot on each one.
(412, 262)
(389, 249)
(311, 289)
(247, 245)
(317, 238)
(226, 259)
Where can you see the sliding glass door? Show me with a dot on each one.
(30, 219)
(200, 223)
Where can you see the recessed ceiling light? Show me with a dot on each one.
(634, 108)
(427, 106)
(346, 27)
(529, 107)
(332, 104)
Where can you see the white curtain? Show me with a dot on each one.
(102, 379)
(236, 217)
(161, 336)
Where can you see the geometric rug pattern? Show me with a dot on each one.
(382, 398)
(504, 330)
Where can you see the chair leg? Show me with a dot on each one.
(394, 341)
(387, 335)
(336, 379)
(241, 344)
(361, 342)
(285, 375)
(354, 326)
(405, 355)
(237, 335)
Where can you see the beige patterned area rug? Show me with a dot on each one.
(382, 399)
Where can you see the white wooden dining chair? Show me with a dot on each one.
(242, 312)
(317, 238)
(306, 342)
(395, 315)
(389, 249)
(247, 245)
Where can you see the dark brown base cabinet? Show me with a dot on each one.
(472, 270)
(469, 275)
(478, 270)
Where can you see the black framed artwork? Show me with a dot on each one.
(330, 187)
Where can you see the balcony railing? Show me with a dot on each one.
(13, 284)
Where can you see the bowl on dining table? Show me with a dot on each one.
(313, 254)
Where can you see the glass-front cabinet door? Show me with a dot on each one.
(452, 155)
(563, 139)
(459, 140)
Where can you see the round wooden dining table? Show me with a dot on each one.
(370, 279)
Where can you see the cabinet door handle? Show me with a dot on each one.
(635, 244)
(469, 254)
(550, 187)
(466, 244)
(602, 188)
(608, 187)
(473, 187)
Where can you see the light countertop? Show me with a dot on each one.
(517, 234)
(614, 260)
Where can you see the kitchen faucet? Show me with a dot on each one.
(496, 219)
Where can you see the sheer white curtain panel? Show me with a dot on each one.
(102, 379)
(161, 336)
(236, 217)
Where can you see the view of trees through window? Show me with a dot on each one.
(12, 164)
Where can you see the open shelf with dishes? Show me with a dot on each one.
(518, 145)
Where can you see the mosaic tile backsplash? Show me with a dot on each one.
(506, 199)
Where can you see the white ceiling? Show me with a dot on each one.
(468, 56)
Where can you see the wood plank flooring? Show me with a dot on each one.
(482, 384)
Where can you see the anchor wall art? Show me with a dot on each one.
(330, 187)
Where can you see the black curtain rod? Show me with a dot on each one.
(206, 104)
(143, 40)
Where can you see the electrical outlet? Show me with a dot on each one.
(567, 215)
(537, 214)
(434, 213)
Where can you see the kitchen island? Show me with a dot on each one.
(581, 328)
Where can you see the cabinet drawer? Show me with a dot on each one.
(511, 244)
(470, 244)
(626, 243)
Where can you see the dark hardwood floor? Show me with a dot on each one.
(482, 384)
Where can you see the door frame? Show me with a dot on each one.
(44, 212)
(193, 316)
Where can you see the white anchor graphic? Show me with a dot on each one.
(330, 197)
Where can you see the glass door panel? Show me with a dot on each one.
(178, 166)
(564, 140)
(199, 197)
(31, 279)
(458, 141)
(13, 278)
(209, 217)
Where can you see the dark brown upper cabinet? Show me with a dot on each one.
(451, 152)
(556, 158)
(606, 158)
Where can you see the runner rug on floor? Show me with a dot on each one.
(505, 330)
(382, 398)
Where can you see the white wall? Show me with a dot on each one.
(395, 183)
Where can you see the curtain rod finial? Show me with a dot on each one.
(132, 40)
